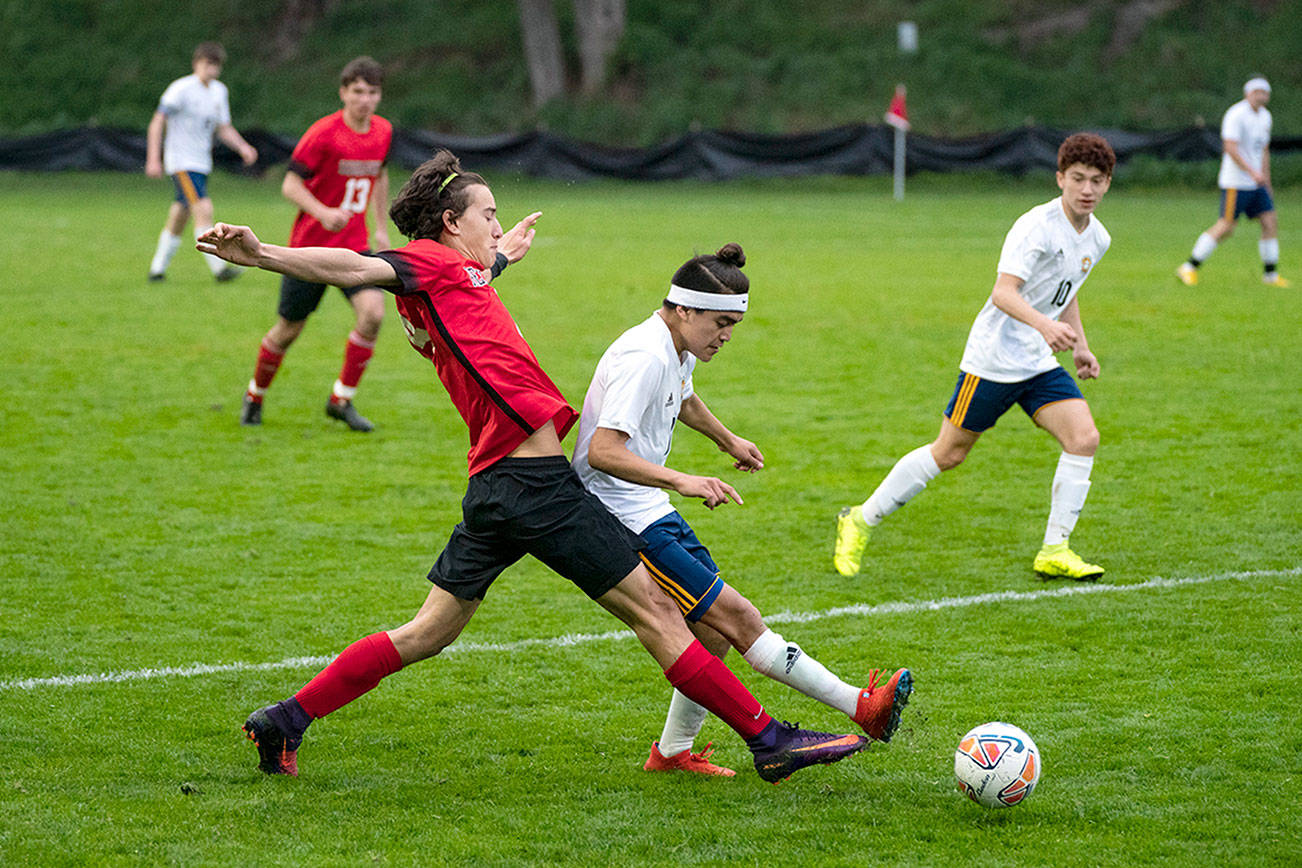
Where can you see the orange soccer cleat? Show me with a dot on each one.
(880, 704)
(685, 761)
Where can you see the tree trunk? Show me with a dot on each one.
(542, 49)
(296, 18)
(599, 25)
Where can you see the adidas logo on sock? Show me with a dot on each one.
(793, 654)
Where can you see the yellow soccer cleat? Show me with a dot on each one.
(1060, 562)
(1187, 274)
(1275, 279)
(851, 537)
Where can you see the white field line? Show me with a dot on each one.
(570, 639)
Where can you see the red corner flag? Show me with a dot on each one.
(898, 115)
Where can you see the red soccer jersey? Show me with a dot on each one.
(455, 319)
(339, 166)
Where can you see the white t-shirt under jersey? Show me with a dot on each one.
(638, 388)
(194, 111)
(1251, 129)
(1053, 259)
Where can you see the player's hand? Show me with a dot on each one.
(154, 168)
(334, 219)
(1087, 365)
(715, 492)
(746, 455)
(235, 244)
(516, 243)
(249, 155)
(1058, 335)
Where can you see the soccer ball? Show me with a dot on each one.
(997, 765)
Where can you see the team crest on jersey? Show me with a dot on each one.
(1085, 264)
(476, 276)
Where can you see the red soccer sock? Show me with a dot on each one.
(702, 678)
(356, 355)
(354, 672)
(268, 363)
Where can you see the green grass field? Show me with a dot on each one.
(146, 529)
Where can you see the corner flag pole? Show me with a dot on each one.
(898, 117)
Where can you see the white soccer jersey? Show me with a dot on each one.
(1251, 129)
(638, 388)
(194, 111)
(1053, 259)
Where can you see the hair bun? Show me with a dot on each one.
(731, 254)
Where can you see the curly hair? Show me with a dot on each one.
(419, 207)
(1088, 149)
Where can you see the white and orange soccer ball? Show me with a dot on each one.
(997, 765)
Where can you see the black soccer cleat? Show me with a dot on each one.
(227, 274)
(348, 414)
(277, 753)
(251, 412)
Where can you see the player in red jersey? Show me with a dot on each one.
(336, 172)
(523, 497)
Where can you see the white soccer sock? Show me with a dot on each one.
(1071, 483)
(168, 244)
(1269, 248)
(907, 478)
(1204, 247)
(215, 265)
(681, 724)
(784, 661)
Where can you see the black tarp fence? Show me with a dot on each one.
(708, 155)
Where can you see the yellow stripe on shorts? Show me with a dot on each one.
(187, 188)
(964, 399)
(675, 591)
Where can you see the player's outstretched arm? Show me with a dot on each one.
(516, 243)
(332, 265)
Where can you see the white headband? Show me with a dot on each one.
(706, 300)
(1257, 83)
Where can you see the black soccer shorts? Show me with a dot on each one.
(534, 506)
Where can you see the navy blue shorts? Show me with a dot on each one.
(681, 566)
(298, 298)
(190, 187)
(534, 506)
(977, 404)
(1252, 203)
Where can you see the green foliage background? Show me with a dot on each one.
(757, 65)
